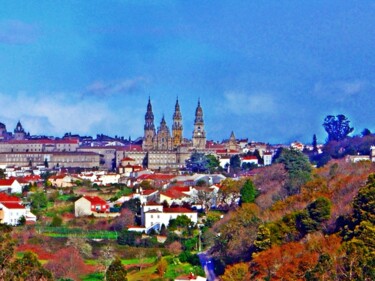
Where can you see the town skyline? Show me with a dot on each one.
(270, 72)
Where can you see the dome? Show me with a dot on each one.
(2, 126)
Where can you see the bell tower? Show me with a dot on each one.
(149, 129)
(177, 126)
(199, 134)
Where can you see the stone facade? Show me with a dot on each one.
(54, 159)
(199, 134)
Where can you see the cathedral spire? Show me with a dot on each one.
(177, 125)
(199, 134)
(149, 128)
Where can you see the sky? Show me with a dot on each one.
(269, 71)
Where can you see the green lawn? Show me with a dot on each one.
(97, 276)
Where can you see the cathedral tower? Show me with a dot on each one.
(177, 126)
(163, 139)
(199, 135)
(19, 132)
(149, 129)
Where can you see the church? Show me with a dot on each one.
(162, 139)
(163, 148)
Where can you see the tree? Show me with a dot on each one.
(39, 200)
(161, 267)
(229, 192)
(366, 132)
(116, 271)
(2, 174)
(320, 209)
(298, 167)
(213, 164)
(263, 240)
(235, 163)
(248, 192)
(182, 221)
(337, 127)
(28, 268)
(315, 144)
(67, 263)
(56, 221)
(175, 248)
(197, 162)
(236, 272)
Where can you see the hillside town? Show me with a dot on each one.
(162, 191)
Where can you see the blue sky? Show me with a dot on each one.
(268, 70)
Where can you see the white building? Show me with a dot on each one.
(10, 185)
(11, 213)
(156, 214)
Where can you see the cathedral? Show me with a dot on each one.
(162, 139)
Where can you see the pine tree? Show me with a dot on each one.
(116, 271)
(248, 192)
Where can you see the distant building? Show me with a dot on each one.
(90, 205)
(10, 186)
(155, 214)
(12, 210)
(19, 132)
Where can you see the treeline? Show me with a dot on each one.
(305, 224)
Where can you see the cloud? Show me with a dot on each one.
(341, 90)
(15, 32)
(245, 103)
(108, 88)
(51, 113)
(54, 114)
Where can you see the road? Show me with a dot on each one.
(208, 266)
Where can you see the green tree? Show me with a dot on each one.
(56, 221)
(366, 132)
(263, 240)
(235, 163)
(320, 209)
(213, 164)
(39, 200)
(2, 174)
(28, 268)
(116, 271)
(181, 221)
(315, 144)
(248, 192)
(337, 127)
(298, 167)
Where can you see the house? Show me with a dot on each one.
(10, 185)
(61, 180)
(250, 159)
(12, 210)
(11, 213)
(267, 158)
(175, 195)
(190, 277)
(144, 196)
(153, 214)
(90, 205)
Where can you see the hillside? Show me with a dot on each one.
(324, 232)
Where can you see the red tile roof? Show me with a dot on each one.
(6, 182)
(148, 192)
(155, 177)
(8, 198)
(95, 200)
(178, 210)
(127, 159)
(250, 157)
(13, 205)
(173, 194)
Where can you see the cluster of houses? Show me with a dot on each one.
(175, 192)
(12, 210)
